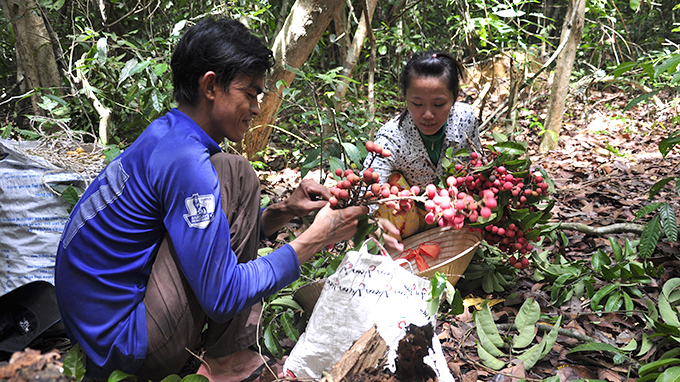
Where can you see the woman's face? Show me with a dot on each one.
(429, 100)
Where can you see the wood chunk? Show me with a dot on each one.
(367, 352)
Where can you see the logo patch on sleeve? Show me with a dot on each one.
(201, 210)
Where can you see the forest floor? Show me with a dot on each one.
(604, 167)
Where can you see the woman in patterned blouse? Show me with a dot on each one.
(419, 137)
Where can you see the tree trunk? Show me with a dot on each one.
(354, 51)
(36, 61)
(305, 24)
(572, 28)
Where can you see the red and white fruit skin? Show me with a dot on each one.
(471, 197)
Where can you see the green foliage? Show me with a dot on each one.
(489, 271)
(665, 220)
(282, 316)
(75, 362)
(650, 371)
(619, 279)
(490, 341)
(665, 320)
(442, 288)
(619, 354)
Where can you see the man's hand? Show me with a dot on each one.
(309, 196)
(329, 227)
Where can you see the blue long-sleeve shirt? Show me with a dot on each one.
(164, 182)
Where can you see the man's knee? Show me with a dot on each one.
(233, 167)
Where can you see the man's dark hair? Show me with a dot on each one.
(224, 46)
(433, 64)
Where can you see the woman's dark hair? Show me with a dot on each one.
(433, 64)
(224, 46)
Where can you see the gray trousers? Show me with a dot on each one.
(175, 319)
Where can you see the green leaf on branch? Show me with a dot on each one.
(288, 326)
(634, 5)
(640, 99)
(617, 251)
(650, 237)
(599, 260)
(169, 378)
(656, 365)
(658, 186)
(667, 299)
(646, 210)
(489, 360)
(271, 343)
(353, 153)
(669, 222)
(512, 148)
(119, 375)
(70, 195)
(623, 67)
(669, 65)
(484, 322)
(499, 137)
(286, 302)
(525, 322)
(75, 362)
(600, 294)
(667, 144)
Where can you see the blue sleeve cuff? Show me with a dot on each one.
(284, 262)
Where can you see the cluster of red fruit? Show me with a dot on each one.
(488, 198)
(359, 188)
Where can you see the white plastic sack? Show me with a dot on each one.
(365, 290)
(32, 217)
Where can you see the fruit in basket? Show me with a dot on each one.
(505, 197)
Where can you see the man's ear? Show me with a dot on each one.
(207, 84)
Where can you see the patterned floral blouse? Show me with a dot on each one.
(409, 155)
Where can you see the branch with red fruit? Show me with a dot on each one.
(505, 198)
(356, 188)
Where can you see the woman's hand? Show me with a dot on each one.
(387, 230)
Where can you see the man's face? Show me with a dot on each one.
(234, 108)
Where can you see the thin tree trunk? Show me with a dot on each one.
(363, 30)
(371, 70)
(305, 24)
(572, 28)
(341, 26)
(36, 61)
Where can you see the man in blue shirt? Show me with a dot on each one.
(165, 239)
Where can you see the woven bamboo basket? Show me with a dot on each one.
(308, 294)
(457, 249)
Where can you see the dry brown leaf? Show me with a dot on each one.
(575, 372)
(609, 375)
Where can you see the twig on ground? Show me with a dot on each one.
(546, 328)
(604, 230)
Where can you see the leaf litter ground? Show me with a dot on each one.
(606, 163)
